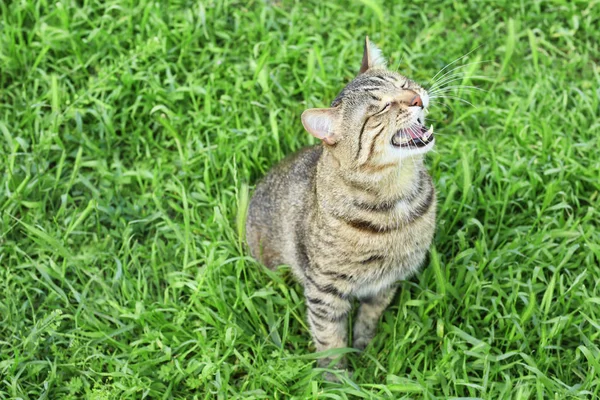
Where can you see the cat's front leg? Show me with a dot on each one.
(328, 318)
(368, 315)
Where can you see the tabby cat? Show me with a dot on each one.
(356, 213)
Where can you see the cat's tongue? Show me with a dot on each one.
(416, 132)
(417, 136)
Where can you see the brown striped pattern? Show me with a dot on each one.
(351, 217)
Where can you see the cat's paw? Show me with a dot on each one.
(361, 342)
(339, 362)
(336, 377)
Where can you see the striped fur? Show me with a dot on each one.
(351, 216)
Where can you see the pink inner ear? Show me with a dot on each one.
(318, 122)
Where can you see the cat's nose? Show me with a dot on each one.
(416, 101)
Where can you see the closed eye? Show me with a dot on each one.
(384, 109)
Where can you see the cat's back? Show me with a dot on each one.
(277, 207)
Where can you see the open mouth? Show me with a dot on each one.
(414, 136)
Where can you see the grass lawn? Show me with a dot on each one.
(133, 132)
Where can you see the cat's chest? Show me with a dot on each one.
(388, 251)
(373, 260)
(387, 239)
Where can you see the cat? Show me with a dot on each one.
(356, 213)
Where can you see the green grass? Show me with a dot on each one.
(132, 132)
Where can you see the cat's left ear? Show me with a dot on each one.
(372, 57)
(319, 122)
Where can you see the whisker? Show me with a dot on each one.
(456, 77)
(451, 88)
(442, 70)
(457, 68)
(411, 146)
(435, 104)
(450, 73)
(453, 77)
(453, 97)
(441, 78)
(436, 131)
(399, 62)
(437, 121)
(410, 128)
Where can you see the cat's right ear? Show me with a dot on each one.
(372, 57)
(319, 122)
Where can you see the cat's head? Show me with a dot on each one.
(376, 120)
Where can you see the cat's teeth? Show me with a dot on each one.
(428, 133)
(404, 140)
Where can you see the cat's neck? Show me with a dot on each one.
(389, 183)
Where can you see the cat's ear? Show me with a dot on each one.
(372, 57)
(319, 122)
